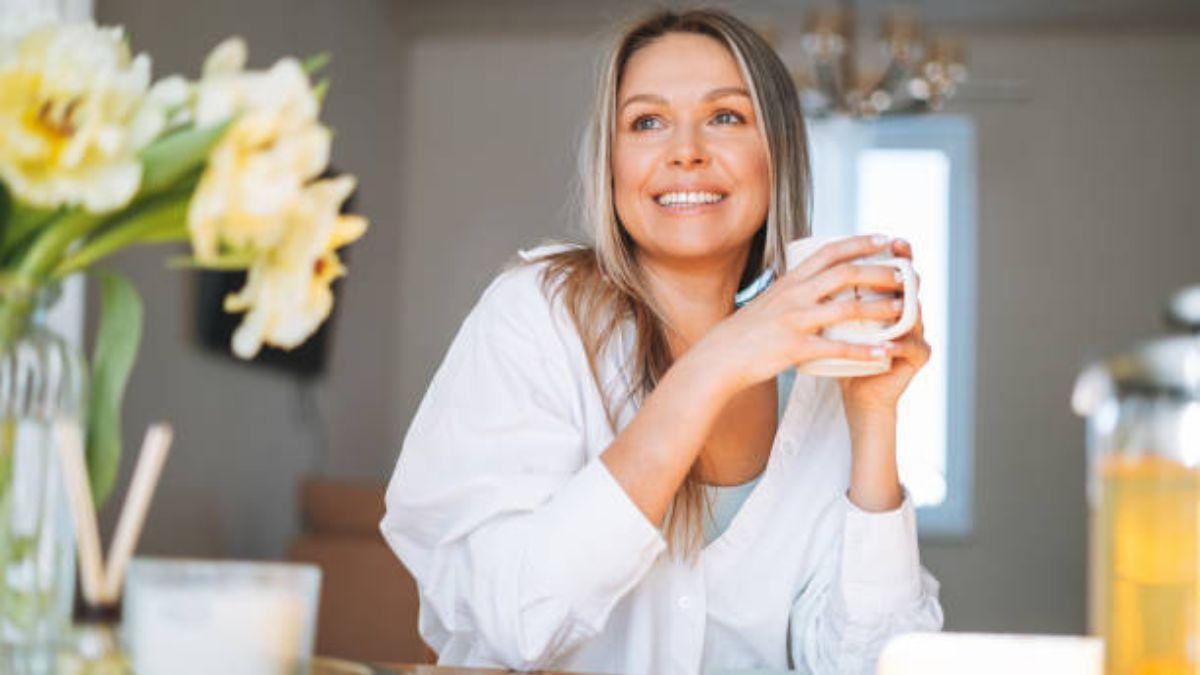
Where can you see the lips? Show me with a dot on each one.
(687, 198)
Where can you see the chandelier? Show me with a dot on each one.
(919, 74)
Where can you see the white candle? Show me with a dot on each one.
(184, 617)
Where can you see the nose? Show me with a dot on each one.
(687, 150)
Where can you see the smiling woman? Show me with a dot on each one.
(688, 149)
(616, 470)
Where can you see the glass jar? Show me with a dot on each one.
(1143, 437)
(43, 381)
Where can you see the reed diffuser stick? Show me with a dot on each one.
(69, 445)
(137, 501)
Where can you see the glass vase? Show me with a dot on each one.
(42, 384)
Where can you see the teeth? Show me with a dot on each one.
(671, 198)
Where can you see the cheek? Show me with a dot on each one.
(631, 170)
(752, 167)
(761, 167)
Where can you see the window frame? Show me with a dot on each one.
(840, 142)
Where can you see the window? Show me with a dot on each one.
(914, 178)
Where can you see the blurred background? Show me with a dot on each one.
(1063, 213)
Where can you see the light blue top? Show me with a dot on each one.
(727, 500)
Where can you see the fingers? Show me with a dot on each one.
(910, 352)
(842, 250)
(842, 276)
(852, 309)
(822, 348)
(912, 349)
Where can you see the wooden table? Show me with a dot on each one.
(328, 666)
(410, 669)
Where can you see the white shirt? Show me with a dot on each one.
(529, 555)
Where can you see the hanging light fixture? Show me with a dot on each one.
(920, 74)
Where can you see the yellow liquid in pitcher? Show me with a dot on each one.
(1145, 587)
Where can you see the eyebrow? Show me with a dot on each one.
(719, 92)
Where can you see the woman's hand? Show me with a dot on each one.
(782, 327)
(870, 405)
(881, 393)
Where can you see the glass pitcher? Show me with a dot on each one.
(1143, 437)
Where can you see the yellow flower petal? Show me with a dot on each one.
(226, 58)
(288, 289)
(73, 117)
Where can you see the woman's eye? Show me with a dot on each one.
(645, 122)
(728, 117)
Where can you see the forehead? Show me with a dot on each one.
(680, 65)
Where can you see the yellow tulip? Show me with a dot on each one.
(287, 293)
(259, 168)
(74, 113)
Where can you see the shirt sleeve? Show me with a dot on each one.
(867, 584)
(520, 544)
(869, 587)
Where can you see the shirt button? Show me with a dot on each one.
(685, 603)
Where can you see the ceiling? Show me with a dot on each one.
(1107, 15)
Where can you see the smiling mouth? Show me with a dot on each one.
(689, 201)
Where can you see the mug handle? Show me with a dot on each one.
(908, 315)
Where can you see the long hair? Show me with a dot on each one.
(602, 286)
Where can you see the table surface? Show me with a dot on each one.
(411, 669)
(330, 666)
(414, 669)
(408, 669)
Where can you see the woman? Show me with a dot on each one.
(600, 477)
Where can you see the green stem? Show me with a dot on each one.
(161, 221)
(31, 270)
(22, 224)
(15, 309)
(229, 262)
(44, 255)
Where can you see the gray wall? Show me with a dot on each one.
(245, 435)
(461, 124)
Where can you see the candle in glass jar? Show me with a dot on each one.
(188, 616)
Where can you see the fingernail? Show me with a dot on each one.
(878, 352)
(902, 242)
(879, 240)
(897, 304)
(898, 276)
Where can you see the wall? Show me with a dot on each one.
(462, 128)
(245, 435)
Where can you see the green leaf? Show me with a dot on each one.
(228, 262)
(316, 62)
(161, 220)
(175, 155)
(321, 89)
(117, 339)
(6, 204)
(24, 221)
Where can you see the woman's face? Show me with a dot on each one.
(690, 169)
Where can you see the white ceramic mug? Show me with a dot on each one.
(860, 332)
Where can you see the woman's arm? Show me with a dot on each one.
(521, 546)
(651, 457)
(870, 405)
(874, 478)
(868, 584)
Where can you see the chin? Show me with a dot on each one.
(695, 246)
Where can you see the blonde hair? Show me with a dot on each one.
(602, 285)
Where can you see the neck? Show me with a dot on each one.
(694, 294)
